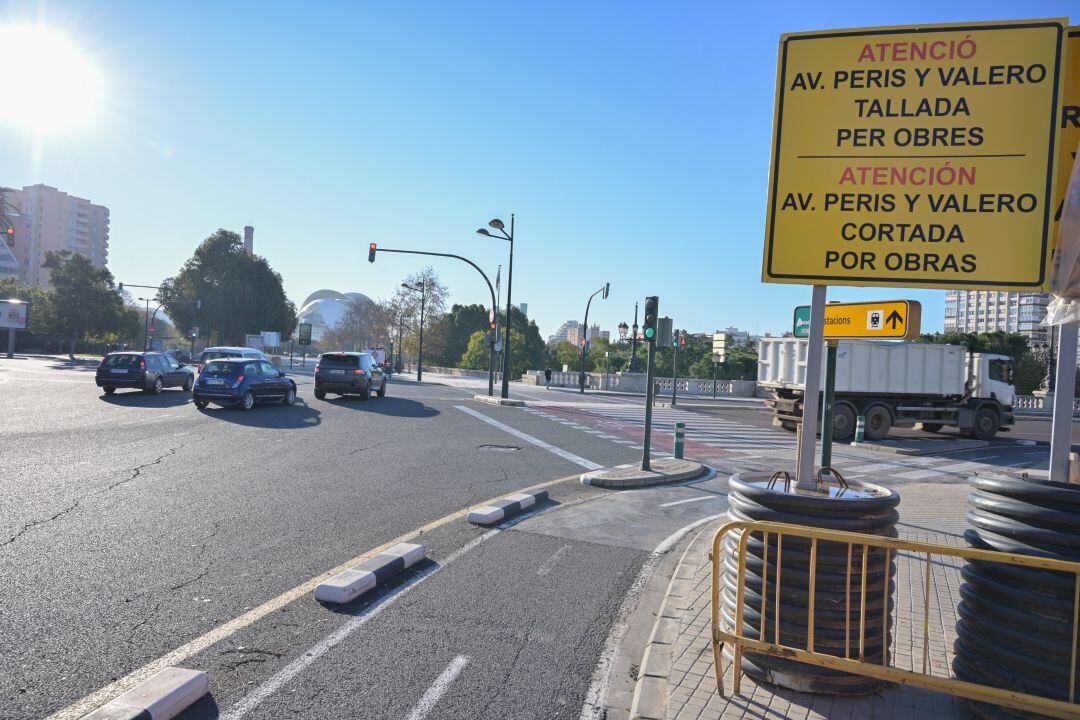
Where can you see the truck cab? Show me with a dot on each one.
(992, 378)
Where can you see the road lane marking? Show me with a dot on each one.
(193, 647)
(316, 651)
(690, 500)
(438, 688)
(564, 454)
(546, 566)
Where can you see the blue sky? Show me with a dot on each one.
(631, 139)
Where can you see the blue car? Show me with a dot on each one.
(242, 382)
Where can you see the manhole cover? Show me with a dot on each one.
(499, 448)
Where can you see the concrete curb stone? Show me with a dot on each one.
(512, 402)
(350, 584)
(506, 507)
(665, 470)
(163, 696)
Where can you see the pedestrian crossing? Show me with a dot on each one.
(714, 432)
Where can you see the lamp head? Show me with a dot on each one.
(483, 231)
(497, 224)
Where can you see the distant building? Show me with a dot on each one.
(737, 337)
(325, 308)
(596, 332)
(570, 331)
(55, 221)
(979, 311)
(524, 308)
(249, 240)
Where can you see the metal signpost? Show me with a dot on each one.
(869, 187)
(1065, 390)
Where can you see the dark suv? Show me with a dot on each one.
(349, 373)
(147, 371)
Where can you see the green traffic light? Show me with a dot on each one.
(649, 332)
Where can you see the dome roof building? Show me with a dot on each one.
(325, 308)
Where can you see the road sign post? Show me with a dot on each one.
(807, 439)
(828, 404)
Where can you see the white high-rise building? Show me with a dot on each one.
(980, 311)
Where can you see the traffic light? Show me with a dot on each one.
(652, 311)
(682, 340)
(371, 252)
(607, 289)
(120, 287)
(11, 236)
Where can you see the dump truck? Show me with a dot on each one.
(894, 384)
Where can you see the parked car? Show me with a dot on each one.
(147, 371)
(242, 382)
(349, 373)
(216, 353)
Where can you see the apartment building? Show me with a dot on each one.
(990, 310)
(54, 220)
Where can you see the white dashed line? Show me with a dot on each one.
(690, 500)
(564, 454)
(438, 688)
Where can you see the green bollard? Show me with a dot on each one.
(860, 429)
(680, 439)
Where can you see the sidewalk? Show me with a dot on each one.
(928, 513)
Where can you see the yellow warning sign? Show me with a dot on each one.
(884, 320)
(916, 156)
(1070, 121)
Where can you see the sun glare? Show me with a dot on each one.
(50, 85)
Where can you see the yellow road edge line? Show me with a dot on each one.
(193, 647)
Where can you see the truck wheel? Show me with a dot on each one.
(878, 422)
(931, 427)
(986, 424)
(788, 425)
(843, 422)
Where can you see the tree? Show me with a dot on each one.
(405, 303)
(240, 293)
(454, 332)
(358, 329)
(477, 353)
(84, 300)
(528, 353)
(563, 353)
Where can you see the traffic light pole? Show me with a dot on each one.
(674, 368)
(650, 375)
(491, 369)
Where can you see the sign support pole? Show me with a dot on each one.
(808, 438)
(827, 407)
(11, 343)
(1065, 389)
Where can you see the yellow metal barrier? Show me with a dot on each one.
(859, 666)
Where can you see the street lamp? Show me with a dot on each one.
(634, 365)
(585, 334)
(497, 225)
(420, 288)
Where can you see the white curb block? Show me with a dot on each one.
(506, 507)
(163, 696)
(350, 584)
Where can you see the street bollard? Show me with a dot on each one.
(680, 439)
(860, 429)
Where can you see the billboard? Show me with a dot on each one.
(14, 314)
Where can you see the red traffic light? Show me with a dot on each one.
(11, 231)
(492, 325)
(371, 252)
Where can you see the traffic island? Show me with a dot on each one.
(664, 470)
(491, 400)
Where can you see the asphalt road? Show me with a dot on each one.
(138, 530)
(136, 525)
